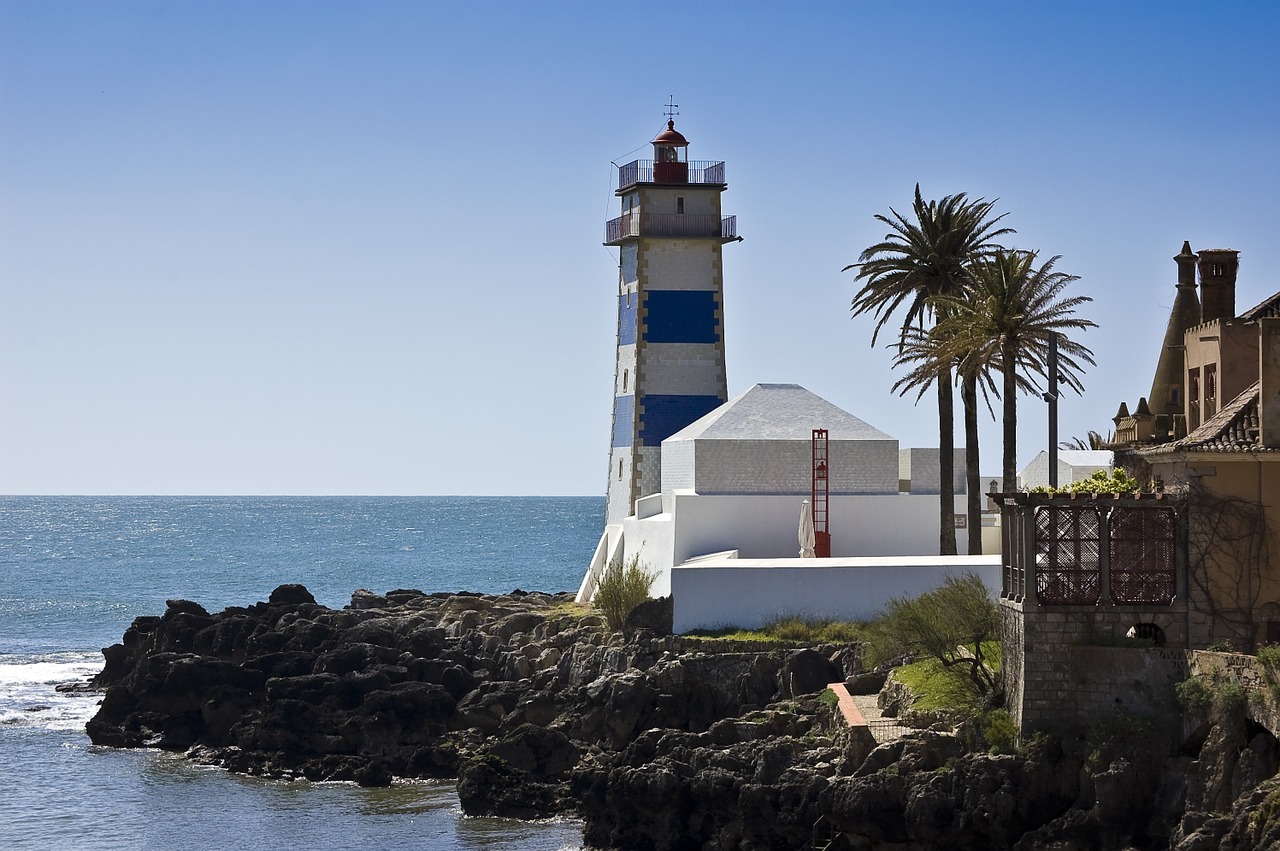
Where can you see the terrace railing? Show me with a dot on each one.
(641, 171)
(670, 224)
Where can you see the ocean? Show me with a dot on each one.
(75, 571)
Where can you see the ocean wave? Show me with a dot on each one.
(29, 695)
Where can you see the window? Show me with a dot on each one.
(1210, 390)
(625, 374)
(1193, 399)
(680, 205)
(1273, 632)
(619, 469)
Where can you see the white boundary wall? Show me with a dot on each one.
(723, 590)
(671, 528)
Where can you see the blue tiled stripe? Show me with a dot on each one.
(628, 263)
(627, 319)
(665, 415)
(681, 316)
(624, 409)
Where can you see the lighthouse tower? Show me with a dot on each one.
(670, 368)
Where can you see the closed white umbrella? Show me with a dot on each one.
(807, 536)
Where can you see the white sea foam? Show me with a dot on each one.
(28, 693)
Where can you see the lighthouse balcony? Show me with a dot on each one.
(633, 225)
(705, 172)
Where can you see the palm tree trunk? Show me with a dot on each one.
(972, 486)
(1009, 356)
(946, 465)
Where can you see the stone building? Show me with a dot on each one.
(1192, 563)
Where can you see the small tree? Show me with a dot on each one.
(621, 588)
(950, 623)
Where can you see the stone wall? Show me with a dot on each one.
(1061, 666)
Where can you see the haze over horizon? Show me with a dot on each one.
(336, 248)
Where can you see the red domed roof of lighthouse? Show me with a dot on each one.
(670, 136)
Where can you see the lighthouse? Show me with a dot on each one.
(670, 355)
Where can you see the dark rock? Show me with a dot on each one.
(806, 672)
(184, 607)
(656, 742)
(290, 595)
(656, 616)
(362, 599)
(866, 683)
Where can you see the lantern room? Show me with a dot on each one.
(670, 156)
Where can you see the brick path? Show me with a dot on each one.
(860, 710)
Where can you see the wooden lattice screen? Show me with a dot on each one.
(1068, 546)
(1142, 555)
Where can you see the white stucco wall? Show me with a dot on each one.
(765, 527)
(748, 593)
(1073, 466)
(923, 469)
(786, 466)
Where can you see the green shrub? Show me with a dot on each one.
(992, 731)
(940, 690)
(956, 623)
(1229, 696)
(621, 588)
(1194, 696)
(829, 699)
(1121, 734)
(1269, 656)
(792, 630)
(1119, 482)
(813, 631)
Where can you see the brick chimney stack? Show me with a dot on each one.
(1218, 267)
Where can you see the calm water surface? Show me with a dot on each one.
(74, 571)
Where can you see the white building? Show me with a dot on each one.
(1074, 465)
(733, 483)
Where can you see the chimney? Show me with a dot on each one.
(1186, 260)
(1218, 268)
(1167, 384)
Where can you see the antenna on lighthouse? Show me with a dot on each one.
(672, 106)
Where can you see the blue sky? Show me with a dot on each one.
(354, 247)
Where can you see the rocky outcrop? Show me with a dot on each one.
(654, 741)
(504, 692)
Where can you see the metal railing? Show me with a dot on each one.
(641, 171)
(670, 224)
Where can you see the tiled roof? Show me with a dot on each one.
(778, 412)
(1232, 429)
(1268, 309)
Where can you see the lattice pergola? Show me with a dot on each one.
(1084, 550)
(1068, 549)
(1142, 555)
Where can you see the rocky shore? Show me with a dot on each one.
(654, 741)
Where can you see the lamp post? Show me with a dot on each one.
(1051, 398)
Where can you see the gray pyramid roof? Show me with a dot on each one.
(778, 412)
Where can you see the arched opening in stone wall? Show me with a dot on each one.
(1147, 632)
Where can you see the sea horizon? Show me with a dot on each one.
(76, 569)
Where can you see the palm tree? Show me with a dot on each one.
(919, 349)
(1006, 320)
(920, 261)
(1094, 440)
